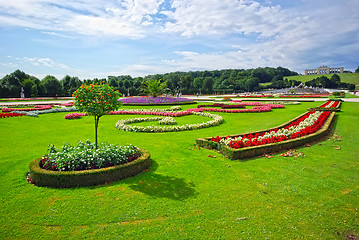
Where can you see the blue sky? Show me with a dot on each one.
(99, 38)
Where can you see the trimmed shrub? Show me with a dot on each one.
(69, 179)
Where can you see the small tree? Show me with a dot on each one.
(154, 88)
(97, 100)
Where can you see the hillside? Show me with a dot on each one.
(344, 77)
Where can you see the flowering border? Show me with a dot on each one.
(253, 151)
(151, 101)
(69, 179)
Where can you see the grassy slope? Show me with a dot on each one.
(344, 77)
(186, 194)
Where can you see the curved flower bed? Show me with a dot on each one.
(305, 125)
(6, 115)
(155, 100)
(123, 124)
(35, 108)
(308, 127)
(167, 121)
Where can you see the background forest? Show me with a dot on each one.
(203, 82)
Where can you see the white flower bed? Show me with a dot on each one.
(167, 121)
(123, 124)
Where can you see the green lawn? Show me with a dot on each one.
(186, 194)
(344, 77)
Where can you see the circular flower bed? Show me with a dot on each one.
(82, 165)
(155, 100)
(85, 156)
(123, 124)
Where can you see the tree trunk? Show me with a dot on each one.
(97, 118)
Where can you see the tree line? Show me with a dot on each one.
(203, 82)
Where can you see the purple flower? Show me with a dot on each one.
(154, 100)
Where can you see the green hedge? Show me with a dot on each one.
(255, 151)
(56, 179)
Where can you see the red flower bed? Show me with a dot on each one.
(331, 104)
(35, 108)
(5, 115)
(250, 140)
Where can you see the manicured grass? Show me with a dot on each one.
(186, 194)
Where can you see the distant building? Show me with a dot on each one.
(323, 70)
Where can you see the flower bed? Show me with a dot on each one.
(228, 108)
(35, 99)
(93, 175)
(6, 115)
(305, 125)
(123, 124)
(85, 156)
(167, 121)
(305, 95)
(256, 96)
(35, 108)
(75, 115)
(332, 106)
(155, 100)
(308, 127)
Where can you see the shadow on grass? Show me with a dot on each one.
(161, 186)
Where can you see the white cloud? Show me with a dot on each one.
(99, 18)
(206, 17)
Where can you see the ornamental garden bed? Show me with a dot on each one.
(331, 105)
(155, 101)
(239, 150)
(69, 179)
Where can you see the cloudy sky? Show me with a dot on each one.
(98, 38)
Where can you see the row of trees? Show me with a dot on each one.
(205, 82)
(14, 83)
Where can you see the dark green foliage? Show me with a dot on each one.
(227, 81)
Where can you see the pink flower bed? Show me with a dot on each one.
(305, 96)
(35, 108)
(70, 104)
(167, 114)
(258, 107)
(75, 115)
(254, 96)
